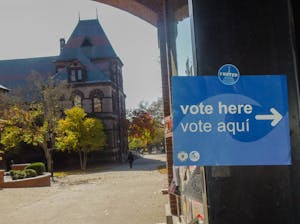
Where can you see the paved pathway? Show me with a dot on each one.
(114, 196)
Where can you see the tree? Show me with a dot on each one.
(155, 109)
(32, 114)
(24, 126)
(142, 129)
(77, 132)
(146, 125)
(2, 123)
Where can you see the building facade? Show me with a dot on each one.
(89, 64)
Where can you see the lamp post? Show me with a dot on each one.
(51, 170)
(50, 149)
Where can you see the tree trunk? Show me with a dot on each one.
(80, 159)
(149, 149)
(85, 155)
(48, 157)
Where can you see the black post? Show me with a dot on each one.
(52, 169)
(257, 37)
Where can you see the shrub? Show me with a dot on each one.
(11, 173)
(30, 173)
(38, 167)
(17, 174)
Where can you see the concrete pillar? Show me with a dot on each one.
(162, 36)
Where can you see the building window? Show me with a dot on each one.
(76, 74)
(73, 75)
(97, 104)
(79, 75)
(77, 101)
(96, 97)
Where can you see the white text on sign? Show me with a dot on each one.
(222, 108)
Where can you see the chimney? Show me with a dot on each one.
(62, 43)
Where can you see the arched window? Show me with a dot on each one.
(77, 97)
(96, 96)
(77, 101)
(97, 104)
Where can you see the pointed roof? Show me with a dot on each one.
(87, 42)
(89, 36)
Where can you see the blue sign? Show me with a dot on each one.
(239, 121)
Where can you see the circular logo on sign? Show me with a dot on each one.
(182, 156)
(228, 74)
(194, 156)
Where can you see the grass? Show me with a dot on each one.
(66, 173)
(63, 173)
(162, 169)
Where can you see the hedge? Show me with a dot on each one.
(21, 174)
(39, 167)
(30, 173)
(17, 174)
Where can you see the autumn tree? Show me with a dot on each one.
(142, 129)
(23, 126)
(2, 123)
(146, 125)
(77, 132)
(154, 108)
(32, 113)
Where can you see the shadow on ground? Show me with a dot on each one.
(142, 163)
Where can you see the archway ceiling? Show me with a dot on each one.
(148, 10)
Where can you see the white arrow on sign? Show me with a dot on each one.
(275, 116)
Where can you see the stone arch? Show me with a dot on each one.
(76, 92)
(96, 93)
(75, 96)
(144, 9)
(96, 96)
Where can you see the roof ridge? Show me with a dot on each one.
(96, 19)
(25, 59)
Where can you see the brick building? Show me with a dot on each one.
(94, 71)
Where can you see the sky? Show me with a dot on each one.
(32, 28)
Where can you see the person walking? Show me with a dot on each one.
(130, 159)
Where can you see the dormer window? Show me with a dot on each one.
(76, 74)
(79, 74)
(73, 75)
